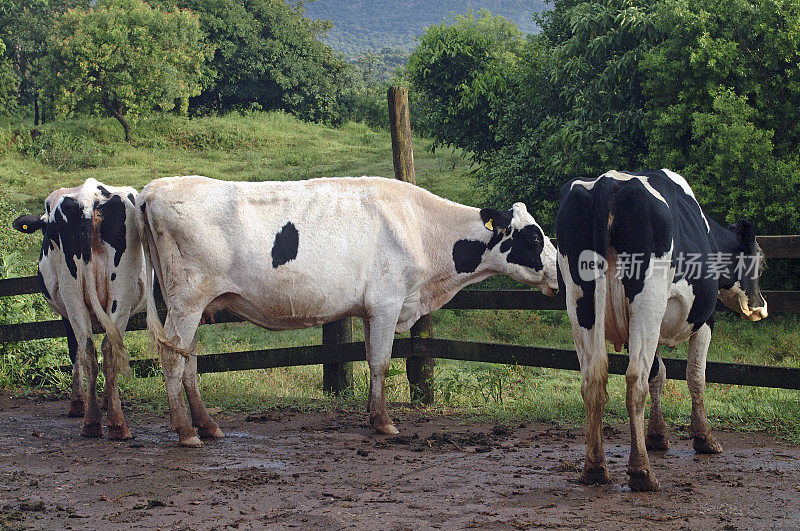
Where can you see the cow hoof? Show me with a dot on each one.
(210, 432)
(388, 429)
(707, 444)
(595, 476)
(92, 430)
(643, 481)
(119, 433)
(656, 442)
(76, 409)
(192, 442)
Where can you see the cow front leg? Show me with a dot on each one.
(656, 428)
(77, 398)
(117, 429)
(92, 416)
(206, 427)
(379, 337)
(703, 440)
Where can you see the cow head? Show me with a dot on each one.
(28, 223)
(521, 248)
(740, 291)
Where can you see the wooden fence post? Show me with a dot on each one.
(337, 377)
(419, 370)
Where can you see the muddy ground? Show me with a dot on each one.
(287, 468)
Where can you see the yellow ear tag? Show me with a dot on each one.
(489, 225)
(24, 227)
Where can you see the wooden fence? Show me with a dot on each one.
(338, 350)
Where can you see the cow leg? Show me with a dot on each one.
(173, 366)
(647, 311)
(594, 378)
(117, 429)
(206, 427)
(92, 417)
(702, 439)
(77, 399)
(365, 323)
(379, 356)
(656, 428)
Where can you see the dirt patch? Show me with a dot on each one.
(287, 468)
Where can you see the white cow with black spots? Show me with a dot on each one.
(91, 270)
(288, 255)
(641, 266)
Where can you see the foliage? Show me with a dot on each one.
(124, 57)
(460, 72)
(710, 91)
(8, 83)
(723, 94)
(267, 53)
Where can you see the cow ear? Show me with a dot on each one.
(27, 223)
(745, 232)
(495, 220)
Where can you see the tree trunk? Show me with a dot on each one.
(119, 114)
(36, 116)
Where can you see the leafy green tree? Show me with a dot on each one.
(124, 58)
(460, 73)
(8, 83)
(723, 96)
(269, 55)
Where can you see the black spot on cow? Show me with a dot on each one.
(113, 277)
(113, 306)
(73, 233)
(506, 245)
(47, 207)
(142, 206)
(42, 287)
(104, 191)
(527, 245)
(285, 247)
(132, 199)
(112, 226)
(72, 342)
(467, 255)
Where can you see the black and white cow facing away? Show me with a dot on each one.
(91, 270)
(642, 266)
(288, 255)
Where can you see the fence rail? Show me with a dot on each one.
(339, 350)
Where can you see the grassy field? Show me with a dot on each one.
(267, 146)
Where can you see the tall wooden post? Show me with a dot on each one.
(337, 377)
(419, 370)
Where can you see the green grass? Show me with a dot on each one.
(267, 146)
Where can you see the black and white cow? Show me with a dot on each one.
(288, 255)
(642, 265)
(91, 270)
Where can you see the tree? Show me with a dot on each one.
(268, 53)
(8, 83)
(125, 58)
(460, 74)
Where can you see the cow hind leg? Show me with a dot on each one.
(594, 372)
(117, 429)
(703, 440)
(92, 418)
(656, 439)
(206, 427)
(77, 398)
(180, 331)
(379, 356)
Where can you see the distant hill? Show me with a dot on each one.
(362, 26)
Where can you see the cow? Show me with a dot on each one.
(626, 245)
(91, 270)
(289, 255)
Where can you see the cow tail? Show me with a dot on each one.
(599, 359)
(160, 343)
(118, 362)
